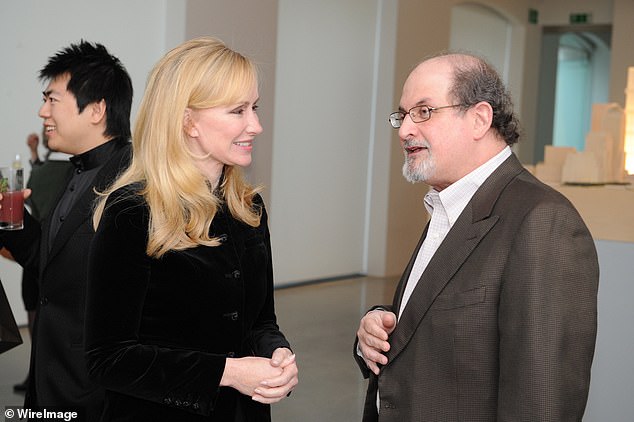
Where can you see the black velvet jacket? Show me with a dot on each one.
(158, 331)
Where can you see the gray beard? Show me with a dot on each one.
(416, 171)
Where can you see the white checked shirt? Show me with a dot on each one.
(445, 207)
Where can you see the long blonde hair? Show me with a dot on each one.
(200, 73)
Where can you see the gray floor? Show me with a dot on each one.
(13, 368)
(320, 321)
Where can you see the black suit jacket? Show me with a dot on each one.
(502, 324)
(58, 376)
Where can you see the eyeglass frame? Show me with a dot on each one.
(392, 117)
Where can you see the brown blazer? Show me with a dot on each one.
(502, 324)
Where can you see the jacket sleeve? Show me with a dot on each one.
(24, 244)
(548, 317)
(118, 279)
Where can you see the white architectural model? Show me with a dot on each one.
(603, 159)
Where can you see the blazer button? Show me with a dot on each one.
(44, 301)
(232, 316)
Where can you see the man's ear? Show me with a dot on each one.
(97, 111)
(483, 119)
(188, 124)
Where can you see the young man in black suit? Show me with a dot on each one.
(86, 113)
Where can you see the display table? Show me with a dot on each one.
(608, 210)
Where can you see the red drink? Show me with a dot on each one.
(12, 210)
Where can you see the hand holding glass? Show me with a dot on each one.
(12, 202)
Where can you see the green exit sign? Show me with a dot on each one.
(576, 18)
(533, 15)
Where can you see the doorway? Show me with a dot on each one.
(574, 74)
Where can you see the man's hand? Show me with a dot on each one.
(373, 333)
(32, 142)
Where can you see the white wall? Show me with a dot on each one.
(323, 119)
(481, 30)
(622, 54)
(33, 30)
(251, 31)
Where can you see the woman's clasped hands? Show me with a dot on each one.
(264, 380)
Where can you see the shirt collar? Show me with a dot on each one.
(97, 156)
(57, 156)
(456, 196)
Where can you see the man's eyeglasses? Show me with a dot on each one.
(418, 114)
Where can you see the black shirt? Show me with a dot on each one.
(87, 165)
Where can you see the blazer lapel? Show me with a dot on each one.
(461, 240)
(470, 228)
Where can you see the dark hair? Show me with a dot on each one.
(95, 74)
(475, 80)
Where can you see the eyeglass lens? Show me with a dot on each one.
(418, 114)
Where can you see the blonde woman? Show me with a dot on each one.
(180, 322)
